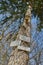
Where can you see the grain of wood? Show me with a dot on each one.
(19, 57)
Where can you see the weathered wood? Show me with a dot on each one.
(24, 38)
(15, 43)
(20, 57)
(28, 31)
(28, 13)
(24, 48)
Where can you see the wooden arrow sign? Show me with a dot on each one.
(24, 38)
(15, 43)
(24, 48)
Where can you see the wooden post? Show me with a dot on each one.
(20, 57)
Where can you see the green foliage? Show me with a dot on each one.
(37, 6)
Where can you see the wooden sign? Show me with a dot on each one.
(24, 38)
(24, 48)
(15, 43)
